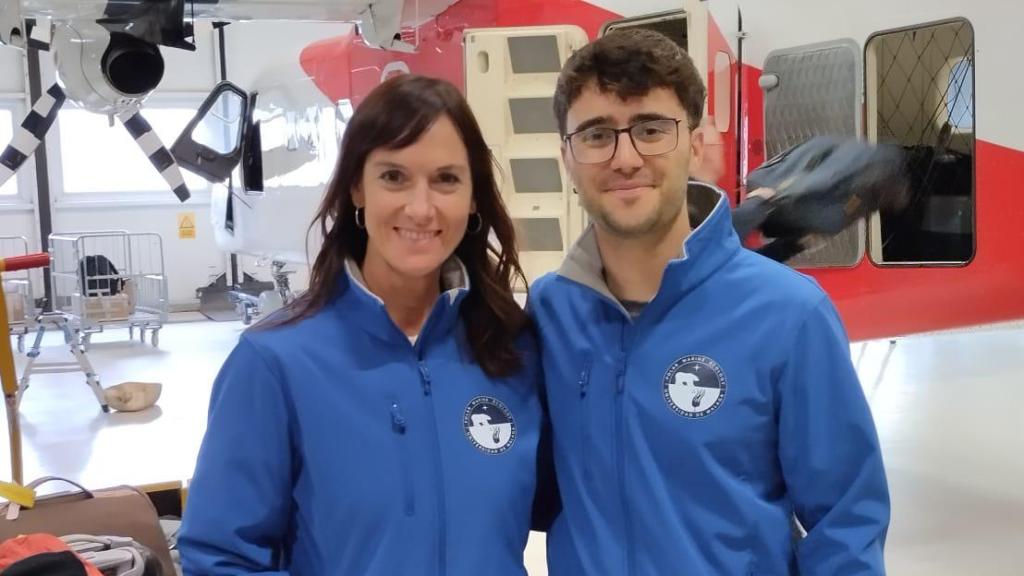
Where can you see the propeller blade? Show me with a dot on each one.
(39, 36)
(155, 150)
(32, 131)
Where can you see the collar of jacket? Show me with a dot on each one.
(710, 245)
(368, 310)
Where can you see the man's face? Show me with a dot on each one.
(630, 193)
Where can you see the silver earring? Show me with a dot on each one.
(360, 218)
(479, 221)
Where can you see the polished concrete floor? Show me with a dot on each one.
(949, 410)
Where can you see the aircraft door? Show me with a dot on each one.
(815, 90)
(510, 80)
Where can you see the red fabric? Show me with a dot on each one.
(21, 547)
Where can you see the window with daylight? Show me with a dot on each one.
(920, 95)
(97, 158)
(7, 124)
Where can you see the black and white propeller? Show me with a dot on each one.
(105, 72)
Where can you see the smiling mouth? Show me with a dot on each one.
(629, 186)
(417, 235)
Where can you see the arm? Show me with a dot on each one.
(239, 500)
(547, 501)
(830, 455)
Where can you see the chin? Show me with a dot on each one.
(417, 265)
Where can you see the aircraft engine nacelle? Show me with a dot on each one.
(105, 72)
(109, 73)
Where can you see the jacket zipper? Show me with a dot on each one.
(621, 456)
(442, 531)
(584, 384)
(398, 426)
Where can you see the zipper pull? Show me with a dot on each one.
(584, 380)
(425, 374)
(621, 385)
(397, 422)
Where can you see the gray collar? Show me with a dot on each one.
(583, 264)
(454, 277)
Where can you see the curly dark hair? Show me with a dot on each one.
(631, 62)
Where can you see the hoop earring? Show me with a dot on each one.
(360, 218)
(479, 223)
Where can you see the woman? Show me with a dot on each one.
(388, 421)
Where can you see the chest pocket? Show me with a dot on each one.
(584, 433)
(403, 452)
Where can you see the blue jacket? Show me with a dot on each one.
(685, 440)
(337, 447)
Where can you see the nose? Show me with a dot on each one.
(420, 207)
(626, 157)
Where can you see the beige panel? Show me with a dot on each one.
(510, 80)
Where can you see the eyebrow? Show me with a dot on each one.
(395, 165)
(591, 122)
(647, 117)
(605, 120)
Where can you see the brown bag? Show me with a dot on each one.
(118, 511)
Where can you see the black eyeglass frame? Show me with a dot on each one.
(618, 131)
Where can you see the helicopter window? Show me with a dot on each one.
(221, 128)
(812, 90)
(960, 95)
(920, 95)
(91, 150)
(7, 116)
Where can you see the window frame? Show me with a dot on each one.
(61, 198)
(874, 223)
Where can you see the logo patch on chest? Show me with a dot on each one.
(694, 386)
(489, 425)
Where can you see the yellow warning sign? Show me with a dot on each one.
(187, 225)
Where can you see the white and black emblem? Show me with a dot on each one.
(489, 425)
(694, 386)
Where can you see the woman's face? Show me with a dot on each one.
(417, 201)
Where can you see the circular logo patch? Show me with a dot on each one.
(489, 425)
(694, 386)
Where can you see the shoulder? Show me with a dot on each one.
(779, 286)
(542, 286)
(274, 337)
(546, 288)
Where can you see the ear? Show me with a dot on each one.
(697, 149)
(567, 159)
(358, 196)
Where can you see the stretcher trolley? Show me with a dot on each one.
(110, 279)
(18, 293)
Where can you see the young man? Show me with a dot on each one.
(702, 396)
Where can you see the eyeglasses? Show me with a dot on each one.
(649, 138)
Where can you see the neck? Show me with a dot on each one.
(408, 301)
(633, 267)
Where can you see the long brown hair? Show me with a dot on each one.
(394, 115)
